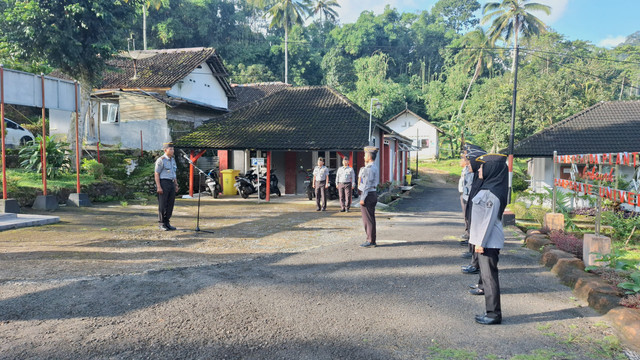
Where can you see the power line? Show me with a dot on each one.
(610, 81)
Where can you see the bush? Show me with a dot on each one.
(93, 168)
(622, 223)
(538, 212)
(58, 160)
(567, 242)
(519, 182)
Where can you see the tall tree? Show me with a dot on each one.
(512, 17)
(458, 15)
(323, 7)
(479, 55)
(76, 37)
(284, 14)
(157, 4)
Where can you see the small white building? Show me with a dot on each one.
(157, 98)
(424, 134)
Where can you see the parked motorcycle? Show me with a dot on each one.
(274, 186)
(245, 184)
(213, 183)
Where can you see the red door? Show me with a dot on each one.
(290, 172)
(385, 163)
(223, 159)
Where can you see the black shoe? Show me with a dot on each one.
(473, 286)
(464, 243)
(324, 209)
(318, 209)
(464, 236)
(485, 320)
(168, 226)
(476, 291)
(164, 227)
(368, 244)
(470, 270)
(348, 210)
(342, 210)
(466, 255)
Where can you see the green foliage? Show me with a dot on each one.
(614, 261)
(76, 37)
(622, 226)
(633, 286)
(93, 168)
(58, 160)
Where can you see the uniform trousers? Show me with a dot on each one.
(369, 215)
(488, 261)
(344, 190)
(321, 191)
(463, 203)
(166, 200)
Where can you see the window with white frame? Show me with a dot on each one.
(109, 113)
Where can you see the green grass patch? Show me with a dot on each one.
(452, 166)
(26, 178)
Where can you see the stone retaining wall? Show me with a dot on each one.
(600, 295)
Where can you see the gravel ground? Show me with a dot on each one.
(278, 281)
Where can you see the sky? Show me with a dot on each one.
(602, 22)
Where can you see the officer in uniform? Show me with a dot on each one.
(346, 180)
(368, 180)
(166, 186)
(321, 183)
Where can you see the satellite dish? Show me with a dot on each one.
(136, 55)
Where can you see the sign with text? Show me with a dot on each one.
(599, 175)
(257, 161)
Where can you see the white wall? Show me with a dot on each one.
(410, 126)
(201, 86)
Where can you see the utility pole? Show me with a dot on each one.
(513, 118)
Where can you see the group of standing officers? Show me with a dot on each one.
(484, 191)
(368, 180)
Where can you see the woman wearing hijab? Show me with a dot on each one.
(473, 152)
(486, 230)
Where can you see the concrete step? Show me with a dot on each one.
(7, 216)
(24, 220)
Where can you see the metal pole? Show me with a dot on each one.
(141, 149)
(44, 143)
(513, 118)
(599, 205)
(2, 133)
(99, 120)
(418, 150)
(555, 176)
(370, 118)
(77, 142)
(268, 182)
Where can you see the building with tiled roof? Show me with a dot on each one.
(149, 97)
(606, 127)
(249, 93)
(297, 125)
(425, 135)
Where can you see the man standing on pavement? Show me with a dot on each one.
(368, 180)
(166, 186)
(321, 183)
(346, 180)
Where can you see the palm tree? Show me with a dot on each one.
(512, 17)
(479, 55)
(284, 13)
(147, 3)
(323, 7)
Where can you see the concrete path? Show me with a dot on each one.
(405, 299)
(15, 221)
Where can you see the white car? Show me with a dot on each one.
(16, 135)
